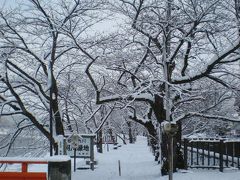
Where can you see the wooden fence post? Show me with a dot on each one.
(203, 155)
(191, 153)
(197, 146)
(233, 153)
(185, 144)
(214, 152)
(208, 149)
(226, 149)
(221, 155)
(237, 148)
(119, 168)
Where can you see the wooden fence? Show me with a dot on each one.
(211, 153)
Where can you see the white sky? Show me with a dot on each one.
(7, 3)
(102, 27)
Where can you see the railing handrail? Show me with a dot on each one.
(23, 161)
(19, 162)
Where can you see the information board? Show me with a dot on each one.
(84, 149)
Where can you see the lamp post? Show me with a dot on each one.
(171, 130)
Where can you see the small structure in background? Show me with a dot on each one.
(109, 139)
(235, 130)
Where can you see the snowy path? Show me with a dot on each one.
(138, 164)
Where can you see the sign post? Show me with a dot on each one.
(73, 140)
(81, 146)
(74, 165)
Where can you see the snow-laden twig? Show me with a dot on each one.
(209, 116)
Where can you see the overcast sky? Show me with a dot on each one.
(7, 3)
(104, 26)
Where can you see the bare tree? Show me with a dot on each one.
(35, 51)
(170, 47)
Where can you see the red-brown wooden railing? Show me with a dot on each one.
(24, 174)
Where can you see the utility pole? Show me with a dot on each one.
(166, 63)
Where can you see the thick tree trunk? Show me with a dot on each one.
(160, 113)
(178, 161)
(69, 126)
(99, 142)
(130, 132)
(178, 158)
(164, 159)
(152, 134)
(112, 136)
(56, 113)
(122, 138)
(158, 108)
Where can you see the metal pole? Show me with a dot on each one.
(171, 159)
(51, 114)
(74, 166)
(91, 154)
(167, 98)
(166, 52)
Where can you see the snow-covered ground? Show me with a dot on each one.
(135, 159)
(137, 164)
